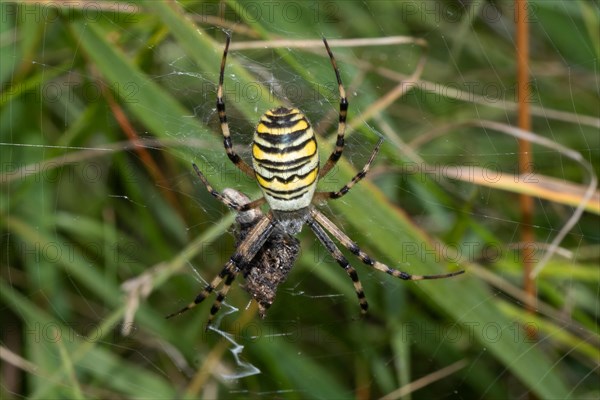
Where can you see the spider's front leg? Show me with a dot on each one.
(364, 257)
(341, 260)
(245, 252)
(227, 271)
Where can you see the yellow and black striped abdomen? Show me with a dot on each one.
(285, 159)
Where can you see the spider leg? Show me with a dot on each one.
(346, 188)
(245, 252)
(233, 156)
(339, 144)
(224, 199)
(220, 297)
(226, 271)
(342, 261)
(364, 257)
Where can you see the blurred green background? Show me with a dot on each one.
(105, 106)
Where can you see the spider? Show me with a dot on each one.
(272, 263)
(285, 163)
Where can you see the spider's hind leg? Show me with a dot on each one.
(233, 156)
(339, 144)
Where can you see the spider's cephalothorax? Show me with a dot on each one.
(285, 163)
(272, 263)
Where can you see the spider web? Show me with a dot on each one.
(422, 146)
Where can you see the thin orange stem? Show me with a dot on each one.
(525, 158)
